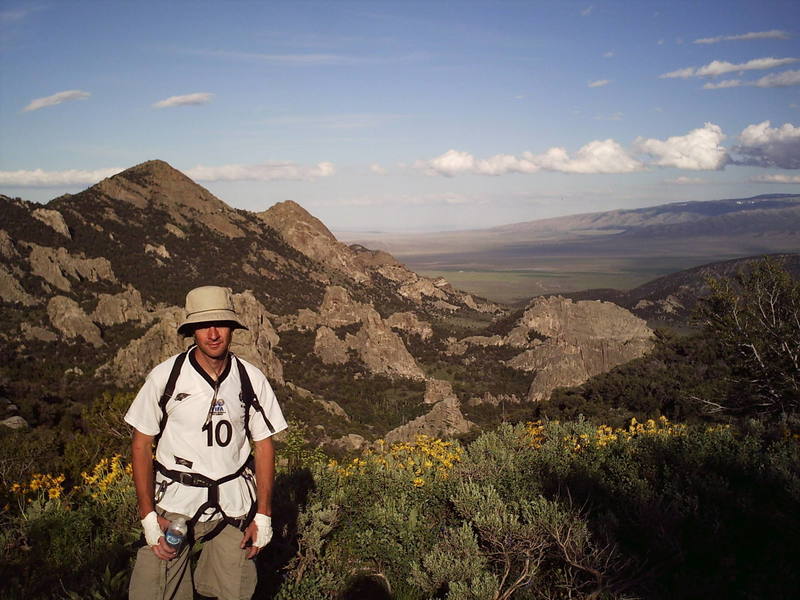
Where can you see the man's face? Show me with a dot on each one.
(213, 339)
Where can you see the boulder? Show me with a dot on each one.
(54, 219)
(349, 443)
(583, 339)
(15, 422)
(445, 419)
(159, 250)
(330, 349)
(54, 265)
(493, 400)
(408, 321)
(382, 350)
(11, 290)
(338, 309)
(68, 318)
(114, 309)
(132, 362)
(7, 248)
(437, 390)
(33, 332)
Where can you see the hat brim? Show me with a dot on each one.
(193, 321)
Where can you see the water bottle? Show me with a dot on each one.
(176, 532)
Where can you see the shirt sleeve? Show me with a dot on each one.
(144, 414)
(259, 429)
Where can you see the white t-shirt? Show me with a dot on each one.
(189, 443)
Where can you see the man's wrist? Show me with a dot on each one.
(152, 531)
(263, 529)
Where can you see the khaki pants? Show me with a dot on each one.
(223, 570)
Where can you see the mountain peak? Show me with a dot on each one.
(287, 216)
(156, 182)
(156, 173)
(157, 185)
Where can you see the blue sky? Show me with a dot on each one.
(406, 116)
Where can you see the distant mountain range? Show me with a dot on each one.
(620, 248)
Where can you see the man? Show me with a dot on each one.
(199, 408)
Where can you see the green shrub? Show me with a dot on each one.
(654, 510)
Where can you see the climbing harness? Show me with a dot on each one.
(249, 400)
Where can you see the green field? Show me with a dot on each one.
(555, 276)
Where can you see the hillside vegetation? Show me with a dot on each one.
(603, 496)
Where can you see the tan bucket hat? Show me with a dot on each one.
(206, 304)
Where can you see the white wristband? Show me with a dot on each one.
(152, 532)
(263, 530)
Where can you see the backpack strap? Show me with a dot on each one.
(248, 396)
(168, 390)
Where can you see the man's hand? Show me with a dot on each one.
(259, 533)
(154, 527)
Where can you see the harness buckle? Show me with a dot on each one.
(192, 479)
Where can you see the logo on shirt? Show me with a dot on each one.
(218, 408)
(183, 462)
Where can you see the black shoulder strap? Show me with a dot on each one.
(168, 390)
(250, 399)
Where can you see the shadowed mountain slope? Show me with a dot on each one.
(359, 346)
(670, 300)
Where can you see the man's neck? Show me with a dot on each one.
(213, 366)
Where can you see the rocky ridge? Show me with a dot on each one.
(102, 274)
(572, 341)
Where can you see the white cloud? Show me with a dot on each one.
(311, 59)
(185, 100)
(18, 14)
(699, 149)
(377, 169)
(605, 156)
(617, 116)
(680, 73)
(599, 156)
(390, 199)
(42, 178)
(609, 54)
(685, 181)
(721, 85)
(268, 171)
(721, 67)
(454, 162)
(784, 79)
(775, 178)
(599, 83)
(66, 96)
(776, 34)
(8, 16)
(587, 11)
(765, 146)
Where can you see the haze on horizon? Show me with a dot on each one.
(412, 116)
